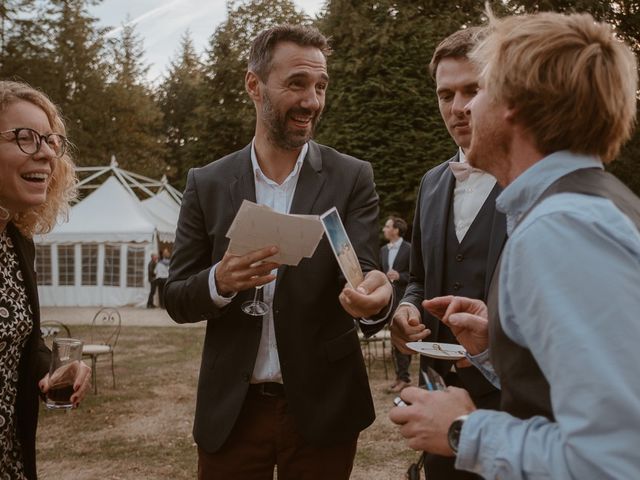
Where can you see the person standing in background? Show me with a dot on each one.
(394, 260)
(162, 273)
(151, 273)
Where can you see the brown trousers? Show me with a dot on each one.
(265, 436)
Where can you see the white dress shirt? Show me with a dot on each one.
(279, 198)
(394, 248)
(468, 198)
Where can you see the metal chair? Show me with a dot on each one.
(51, 329)
(105, 330)
(371, 343)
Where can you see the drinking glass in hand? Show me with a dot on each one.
(66, 355)
(255, 307)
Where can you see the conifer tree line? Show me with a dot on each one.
(381, 103)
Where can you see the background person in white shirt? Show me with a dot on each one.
(394, 260)
(162, 273)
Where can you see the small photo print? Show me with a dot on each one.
(342, 248)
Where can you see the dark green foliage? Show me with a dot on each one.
(382, 105)
(178, 97)
(135, 129)
(381, 101)
(76, 78)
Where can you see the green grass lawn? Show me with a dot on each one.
(142, 428)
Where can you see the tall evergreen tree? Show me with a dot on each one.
(178, 97)
(13, 24)
(135, 132)
(76, 80)
(226, 115)
(28, 51)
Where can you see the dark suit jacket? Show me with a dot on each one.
(429, 240)
(400, 265)
(34, 363)
(323, 372)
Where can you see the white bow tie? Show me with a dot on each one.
(462, 170)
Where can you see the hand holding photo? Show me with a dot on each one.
(342, 248)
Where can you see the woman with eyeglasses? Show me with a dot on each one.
(37, 181)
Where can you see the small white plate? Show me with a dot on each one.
(444, 351)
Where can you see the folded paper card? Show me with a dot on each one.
(258, 226)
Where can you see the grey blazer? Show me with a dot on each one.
(323, 371)
(429, 238)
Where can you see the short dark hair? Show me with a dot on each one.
(457, 45)
(261, 53)
(399, 224)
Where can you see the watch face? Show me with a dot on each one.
(454, 433)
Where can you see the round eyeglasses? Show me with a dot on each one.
(29, 141)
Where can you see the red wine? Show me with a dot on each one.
(60, 394)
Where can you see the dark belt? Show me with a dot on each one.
(268, 389)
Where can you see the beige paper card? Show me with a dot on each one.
(258, 226)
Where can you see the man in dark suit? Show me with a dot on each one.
(288, 388)
(457, 235)
(394, 259)
(151, 272)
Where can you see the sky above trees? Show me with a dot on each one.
(161, 24)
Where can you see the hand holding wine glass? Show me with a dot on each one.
(235, 273)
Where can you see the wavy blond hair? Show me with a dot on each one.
(62, 185)
(571, 82)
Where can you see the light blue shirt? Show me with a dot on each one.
(570, 293)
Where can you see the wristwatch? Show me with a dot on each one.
(454, 433)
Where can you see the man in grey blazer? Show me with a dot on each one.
(457, 236)
(288, 388)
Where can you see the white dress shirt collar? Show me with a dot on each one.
(395, 245)
(462, 158)
(259, 174)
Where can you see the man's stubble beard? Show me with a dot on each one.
(277, 126)
(489, 149)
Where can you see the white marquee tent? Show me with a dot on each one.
(99, 256)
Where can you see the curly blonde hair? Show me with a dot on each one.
(62, 187)
(571, 80)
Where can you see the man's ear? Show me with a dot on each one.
(252, 85)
